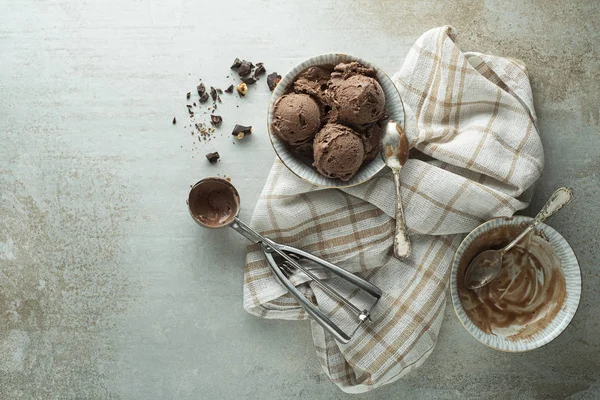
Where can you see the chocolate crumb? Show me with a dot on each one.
(236, 63)
(190, 111)
(239, 131)
(242, 88)
(213, 93)
(245, 68)
(219, 91)
(260, 69)
(249, 80)
(188, 105)
(201, 89)
(272, 80)
(174, 120)
(213, 157)
(203, 97)
(216, 120)
(229, 89)
(195, 105)
(189, 94)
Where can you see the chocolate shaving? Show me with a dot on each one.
(219, 91)
(229, 89)
(201, 89)
(249, 80)
(189, 94)
(236, 63)
(272, 80)
(245, 68)
(260, 69)
(239, 131)
(204, 97)
(213, 157)
(213, 93)
(216, 120)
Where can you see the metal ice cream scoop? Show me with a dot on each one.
(487, 265)
(394, 150)
(215, 203)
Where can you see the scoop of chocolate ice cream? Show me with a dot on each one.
(338, 151)
(313, 81)
(359, 100)
(296, 118)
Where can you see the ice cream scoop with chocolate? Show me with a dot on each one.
(331, 118)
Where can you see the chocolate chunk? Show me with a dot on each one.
(189, 94)
(219, 91)
(216, 120)
(260, 69)
(242, 89)
(174, 120)
(229, 89)
(249, 80)
(203, 97)
(213, 93)
(272, 80)
(213, 157)
(245, 68)
(239, 131)
(201, 89)
(236, 63)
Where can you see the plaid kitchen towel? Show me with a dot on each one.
(471, 118)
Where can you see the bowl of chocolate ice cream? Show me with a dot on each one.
(326, 116)
(535, 296)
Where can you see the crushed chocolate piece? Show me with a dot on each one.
(260, 69)
(213, 157)
(242, 88)
(272, 80)
(245, 68)
(174, 120)
(236, 63)
(216, 120)
(195, 105)
(204, 97)
(188, 105)
(213, 93)
(229, 89)
(201, 89)
(249, 80)
(239, 131)
(189, 94)
(190, 111)
(219, 91)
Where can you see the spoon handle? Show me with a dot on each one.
(561, 197)
(401, 240)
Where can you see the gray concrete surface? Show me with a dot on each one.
(108, 289)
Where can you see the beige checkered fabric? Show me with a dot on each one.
(471, 118)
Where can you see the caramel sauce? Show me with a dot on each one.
(528, 293)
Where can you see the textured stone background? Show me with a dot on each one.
(108, 289)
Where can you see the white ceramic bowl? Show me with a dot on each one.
(571, 272)
(393, 105)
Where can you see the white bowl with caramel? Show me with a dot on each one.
(532, 300)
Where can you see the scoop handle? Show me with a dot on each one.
(402, 245)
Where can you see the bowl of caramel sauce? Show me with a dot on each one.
(535, 296)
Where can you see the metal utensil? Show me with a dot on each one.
(283, 261)
(394, 151)
(487, 265)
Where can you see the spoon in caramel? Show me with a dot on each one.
(487, 265)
